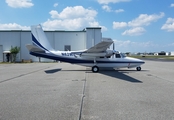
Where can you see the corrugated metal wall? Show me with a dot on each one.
(78, 40)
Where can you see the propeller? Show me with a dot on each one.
(113, 49)
(113, 45)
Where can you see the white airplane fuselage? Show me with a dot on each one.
(90, 61)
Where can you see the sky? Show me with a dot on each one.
(134, 25)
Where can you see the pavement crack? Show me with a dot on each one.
(83, 96)
(22, 75)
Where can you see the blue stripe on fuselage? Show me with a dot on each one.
(75, 60)
(37, 43)
(60, 58)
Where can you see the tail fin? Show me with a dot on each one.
(39, 38)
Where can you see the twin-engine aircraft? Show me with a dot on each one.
(96, 57)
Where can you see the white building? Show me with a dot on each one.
(60, 40)
(171, 53)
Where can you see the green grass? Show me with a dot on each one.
(5, 62)
(13, 63)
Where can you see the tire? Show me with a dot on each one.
(138, 68)
(95, 69)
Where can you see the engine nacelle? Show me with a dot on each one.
(110, 53)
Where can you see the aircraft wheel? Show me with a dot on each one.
(138, 68)
(95, 69)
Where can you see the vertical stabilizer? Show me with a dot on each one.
(39, 38)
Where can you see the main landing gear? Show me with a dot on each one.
(95, 69)
(138, 68)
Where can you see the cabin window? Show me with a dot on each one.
(67, 48)
(117, 56)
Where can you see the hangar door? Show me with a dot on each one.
(1, 53)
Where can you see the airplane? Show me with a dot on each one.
(96, 57)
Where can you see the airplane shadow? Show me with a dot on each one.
(76, 70)
(120, 75)
(52, 71)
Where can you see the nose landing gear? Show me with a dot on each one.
(138, 68)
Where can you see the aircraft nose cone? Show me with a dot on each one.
(142, 61)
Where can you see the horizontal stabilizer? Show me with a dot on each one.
(33, 48)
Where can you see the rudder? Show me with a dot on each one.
(39, 38)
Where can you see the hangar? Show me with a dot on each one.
(59, 39)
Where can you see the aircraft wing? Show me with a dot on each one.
(100, 47)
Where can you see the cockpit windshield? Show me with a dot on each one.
(122, 55)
